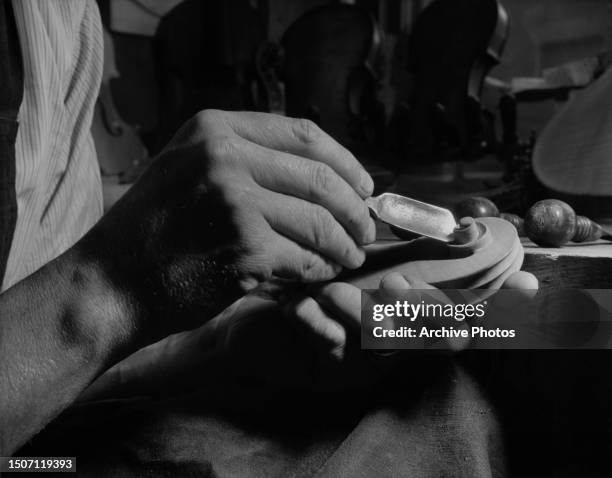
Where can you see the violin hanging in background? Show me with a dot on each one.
(329, 70)
(118, 145)
(453, 46)
(120, 151)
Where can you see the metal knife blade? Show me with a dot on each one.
(414, 216)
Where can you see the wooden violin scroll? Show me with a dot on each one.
(487, 252)
(471, 235)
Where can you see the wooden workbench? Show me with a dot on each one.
(585, 266)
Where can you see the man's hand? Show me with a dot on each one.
(234, 200)
(311, 342)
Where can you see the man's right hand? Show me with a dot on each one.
(234, 200)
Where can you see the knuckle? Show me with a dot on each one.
(313, 268)
(208, 118)
(358, 221)
(323, 180)
(323, 227)
(255, 264)
(306, 131)
(255, 234)
(223, 192)
(221, 147)
(327, 235)
(310, 266)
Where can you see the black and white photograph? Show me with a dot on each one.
(306, 238)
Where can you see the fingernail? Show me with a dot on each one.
(367, 184)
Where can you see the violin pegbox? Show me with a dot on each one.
(486, 251)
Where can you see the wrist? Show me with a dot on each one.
(95, 311)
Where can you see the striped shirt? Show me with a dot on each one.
(58, 186)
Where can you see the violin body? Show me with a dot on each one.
(118, 145)
(330, 54)
(205, 53)
(454, 45)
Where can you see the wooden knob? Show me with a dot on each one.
(550, 223)
(476, 207)
(517, 221)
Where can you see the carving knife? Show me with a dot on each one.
(414, 216)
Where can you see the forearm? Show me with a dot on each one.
(59, 329)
